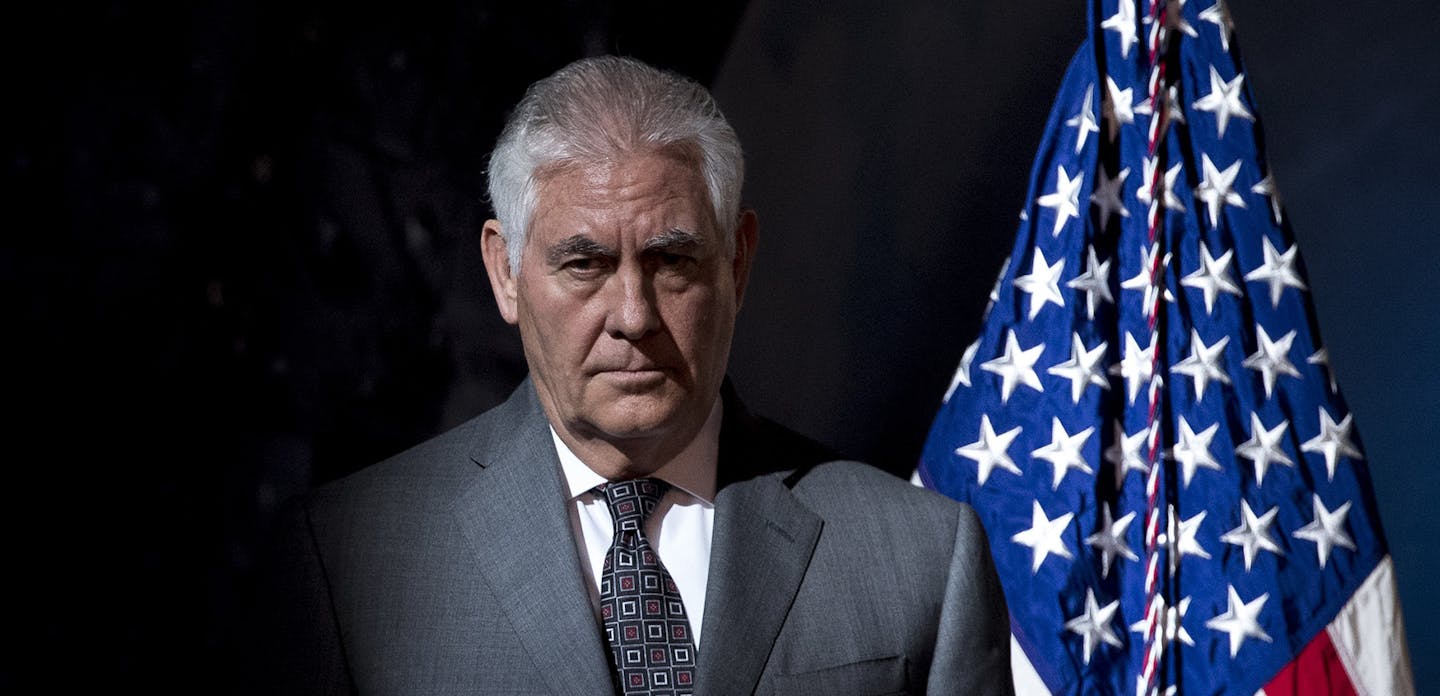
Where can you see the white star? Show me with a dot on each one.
(1043, 536)
(1124, 453)
(1278, 270)
(1193, 450)
(1137, 366)
(1212, 277)
(1043, 283)
(1065, 199)
(1094, 282)
(1063, 452)
(1084, 120)
(1322, 357)
(1150, 279)
(1180, 538)
(1016, 366)
(1216, 188)
(1333, 441)
(1082, 369)
(990, 450)
(1110, 539)
(1263, 447)
(995, 289)
(1240, 620)
(1173, 112)
(1094, 625)
(1271, 358)
(1266, 187)
(1171, 620)
(1107, 195)
(1172, 201)
(1203, 365)
(1253, 534)
(1224, 100)
(1219, 15)
(1327, 530)
(1123, 23)
(962, 372)
(1119, 107)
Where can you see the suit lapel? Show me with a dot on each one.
(513, 514)
(762, 545)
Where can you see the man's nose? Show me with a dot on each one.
(633, 313)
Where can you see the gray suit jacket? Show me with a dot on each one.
(452, 569)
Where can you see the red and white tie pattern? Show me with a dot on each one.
(651, 648)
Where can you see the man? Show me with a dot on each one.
(621, 522)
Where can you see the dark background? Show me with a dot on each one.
(240, 258)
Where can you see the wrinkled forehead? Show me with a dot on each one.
(628, 189)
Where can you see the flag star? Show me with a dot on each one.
(1253, 534)
(962, 372)
(1322, 357)
(1219, 15)
(1119, 107)
(1125, 454)
(1266, 187)
(1327, 530)
(1193, 450)
(1110, 539)
(1180, 538)
(1082, 369)
(1172, 175)
(1093, 626)
(1203, 365)
(1278, 270)
(1123, 23)
(1043, 536)
(1108, 194)
(1212, 277)
(1015, 366)
(995, 289)
(1150, 279)
(1063, 452)
(1333, 441)
(1271, 358)
(1173, 111)
(1171, 620)
(1216, 188)
(1065, 199)
(1084, 120)
(1263, 447)
(1043, 283)
(1137, 366)
(1240, 620)
(1094, 282)
(990, 450)
(1224, 100)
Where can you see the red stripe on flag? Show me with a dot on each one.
(1317, 670)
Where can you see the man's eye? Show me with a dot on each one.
(583, 265)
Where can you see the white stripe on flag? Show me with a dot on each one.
(1027, 680)
(1369, 635)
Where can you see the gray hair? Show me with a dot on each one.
(597, 110)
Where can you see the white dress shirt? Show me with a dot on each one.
(679, 529)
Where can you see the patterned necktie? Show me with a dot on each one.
(650, 644)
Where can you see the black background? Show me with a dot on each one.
(241, 258)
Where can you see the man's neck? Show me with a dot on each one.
(692, 466)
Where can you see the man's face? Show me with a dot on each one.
(626, 302)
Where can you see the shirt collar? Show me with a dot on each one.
(693, 470)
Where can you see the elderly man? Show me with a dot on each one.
(622, 522)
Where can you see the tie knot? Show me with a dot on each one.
(631, 502)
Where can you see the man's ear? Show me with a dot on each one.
(747, 237)
(497, 266)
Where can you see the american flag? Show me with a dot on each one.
(1174, 489)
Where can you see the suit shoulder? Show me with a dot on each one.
(842, 486)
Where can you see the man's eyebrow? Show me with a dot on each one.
(576, 245)
(674, 239)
